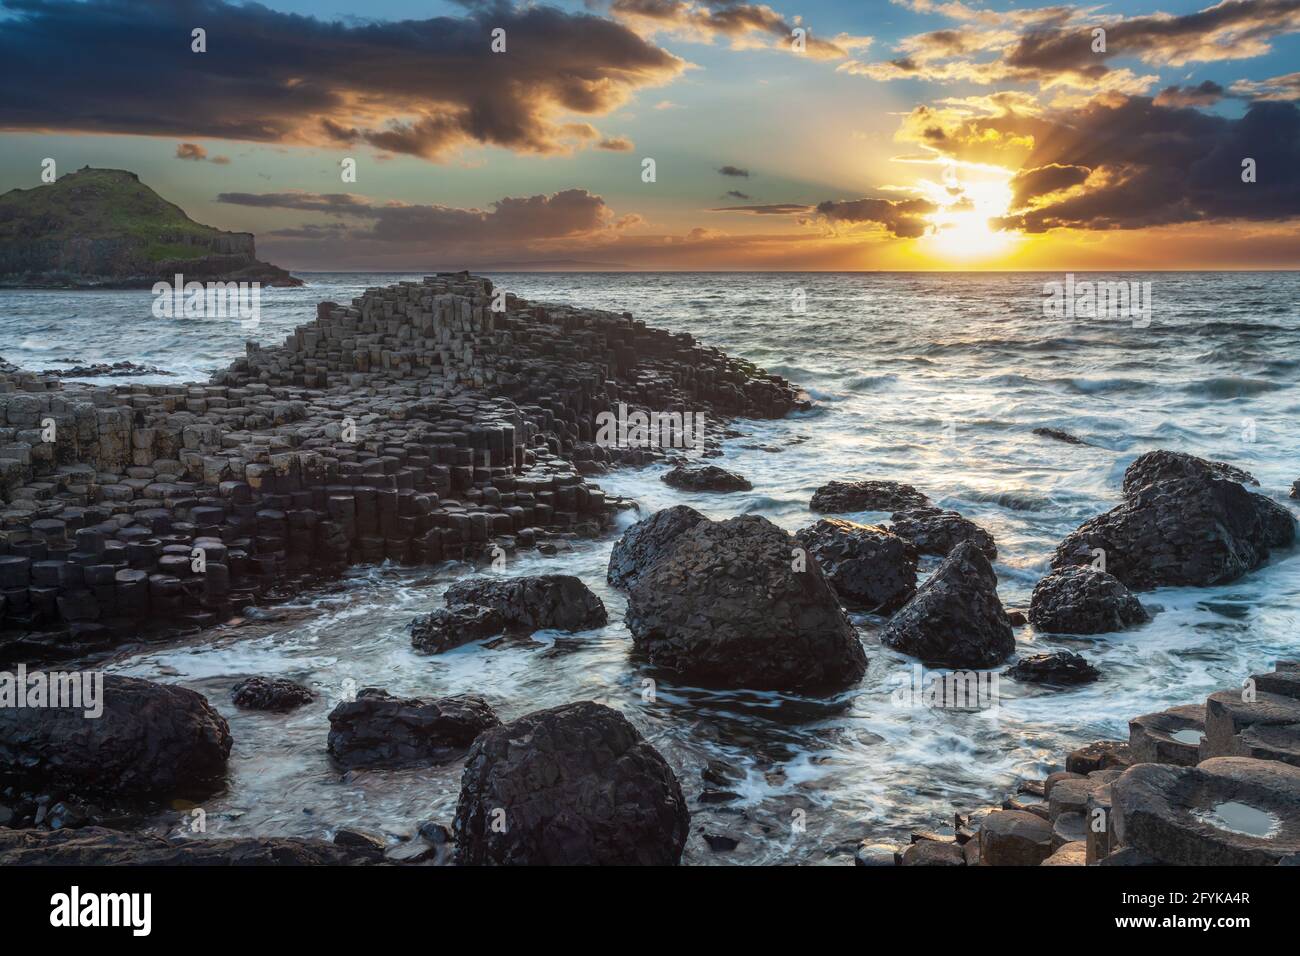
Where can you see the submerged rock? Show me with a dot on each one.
(725, 606)
(269, 693)
(152, 741)
(1184, 521)
(648, 540)
(706, 478)
(1059, 668)
(572, 785)
(1228, 811)
(1058, 435)
(445, 628)
(869, 567)
(869, 495)
(534, 602)
(98, 846)
(955, 618)
(1079, 599)
(935, 531)
(380, 730)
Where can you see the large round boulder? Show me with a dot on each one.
(935, 531)
(646, 541)
(572, 785)
(840, 497)
(956, 618)
(380, 730)
(534, 602)
(1184, 521)
(152, 741)
(869, 567)
(736, 604)
(1080, 599)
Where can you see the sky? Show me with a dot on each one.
(682, 134)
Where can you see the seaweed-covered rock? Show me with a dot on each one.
(534, 602)
(380, 730)
(955, 619)
(731, 604)
(1059, 668)
(444, 628)
(572, 785)
(869, 567)
(152, 741)
(646, 541)
(269, 693)
(706, 478)
(1079, 599)
(935, 531)
(838, 497)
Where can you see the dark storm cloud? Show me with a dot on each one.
(571, 212)
(424, 87)
(1028, 184)
(904, 218)
(1153, 165)
(1204, 94)
(733, 171)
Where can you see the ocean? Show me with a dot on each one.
(934, 379)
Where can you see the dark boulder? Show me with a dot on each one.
(534, 602)
(1058, 435)
(1196, 531)
(733, 603)
(270, 693)
(1162, 465)
(935, 531)
(1060, 668)
(97, 846)
(445, 628)
(646, 541)
(152, 741)
(869, 567)
(706, 478)
(837, 497)
(956, 618)
(1079, 599)
(572, 785)
(379, 730)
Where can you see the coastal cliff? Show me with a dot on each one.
(103, 228)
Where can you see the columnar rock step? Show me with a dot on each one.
(414, 425)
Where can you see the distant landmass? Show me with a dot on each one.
(103, 228)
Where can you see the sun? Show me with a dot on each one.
(960, 226)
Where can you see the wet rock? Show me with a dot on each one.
(1017, 617)
(572, 785)
(935, 531)
(445, 628)
(1184, 521)
(534, 602)
(706, 478)
(876, 854)
(646, 541)
(98, 846)
(1068, 854)
(1171, 736)
(720, 842)
(955, 619)
(361, 841)
(930, 853)
(1058, 435)
(868, 566)
(1162, 465)
(725, 606)
(270, 693)
(1014, 838)
(1100, 755)
(1059, 668)
(152, 741)
(379, 730)
(1083, 600)
(838, 497)
(1228, 811)
(1295, 488)
(1129, 856)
